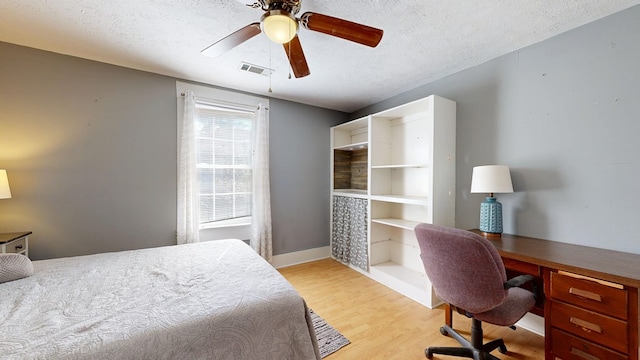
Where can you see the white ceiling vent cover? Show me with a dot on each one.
(256, 69)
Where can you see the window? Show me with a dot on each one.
(223, 123)
(223, 147)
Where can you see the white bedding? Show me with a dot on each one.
(211, 300)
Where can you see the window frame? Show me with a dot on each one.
(221, 97)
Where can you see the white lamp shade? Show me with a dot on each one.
(491, 179)
(279, 26)
(5, 191)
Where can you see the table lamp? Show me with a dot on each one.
(5, 191)
(491, 179)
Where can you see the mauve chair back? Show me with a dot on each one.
(465, 268)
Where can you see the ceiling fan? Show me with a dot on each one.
(281, 26)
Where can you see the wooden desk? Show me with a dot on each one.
(590, 303)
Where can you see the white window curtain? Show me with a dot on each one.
(261, 240)
(188, 207)
(188, 220)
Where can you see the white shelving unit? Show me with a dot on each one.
(410, 180)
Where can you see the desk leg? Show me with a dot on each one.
(448, 315)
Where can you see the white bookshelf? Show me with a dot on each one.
(410, 180)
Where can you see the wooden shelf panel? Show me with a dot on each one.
(399, 166)
(351, 147)
(353, 125)
(399, 223)
(401, 199)
(406, 281)
(402, 273)
(350, 192)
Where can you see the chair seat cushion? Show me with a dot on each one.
(518, 302)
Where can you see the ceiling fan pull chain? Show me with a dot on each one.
(289, 55)
(270, 67)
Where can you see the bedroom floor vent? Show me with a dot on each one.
(256, 69)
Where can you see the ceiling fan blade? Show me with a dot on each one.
(362, 34)
(296, 57)
(232, 40)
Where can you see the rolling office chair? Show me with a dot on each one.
(468, 273)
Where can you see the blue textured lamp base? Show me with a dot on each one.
(491, 216)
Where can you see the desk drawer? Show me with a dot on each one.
(567, 346)
(17, 246)
(590, 325)
(522, 267)
(590, 295)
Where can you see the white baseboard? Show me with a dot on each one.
(299, 257)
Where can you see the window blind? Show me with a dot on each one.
(224, 157)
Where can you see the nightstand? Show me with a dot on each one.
(15, 242)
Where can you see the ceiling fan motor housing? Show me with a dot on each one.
(290, 6)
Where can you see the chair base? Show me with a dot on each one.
(473, 349)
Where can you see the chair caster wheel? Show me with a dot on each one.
(428, 353)
(444, 331)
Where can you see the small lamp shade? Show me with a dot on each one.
(5, 191)
(491, 179)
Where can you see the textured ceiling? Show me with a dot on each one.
(424, 40)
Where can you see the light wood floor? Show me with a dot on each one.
(382, 324)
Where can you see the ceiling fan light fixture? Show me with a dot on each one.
(279, 26)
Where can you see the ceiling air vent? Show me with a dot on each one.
(260, 70)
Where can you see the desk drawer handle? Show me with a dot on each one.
(585, 325)
(582, 354)
(585, 294)
(19, 247)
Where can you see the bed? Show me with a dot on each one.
(210, 300)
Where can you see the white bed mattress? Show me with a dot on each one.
(211, 300)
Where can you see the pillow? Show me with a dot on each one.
(14, 267)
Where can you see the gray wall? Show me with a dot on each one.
(90, 149)
(300, 148)
(564, 114)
